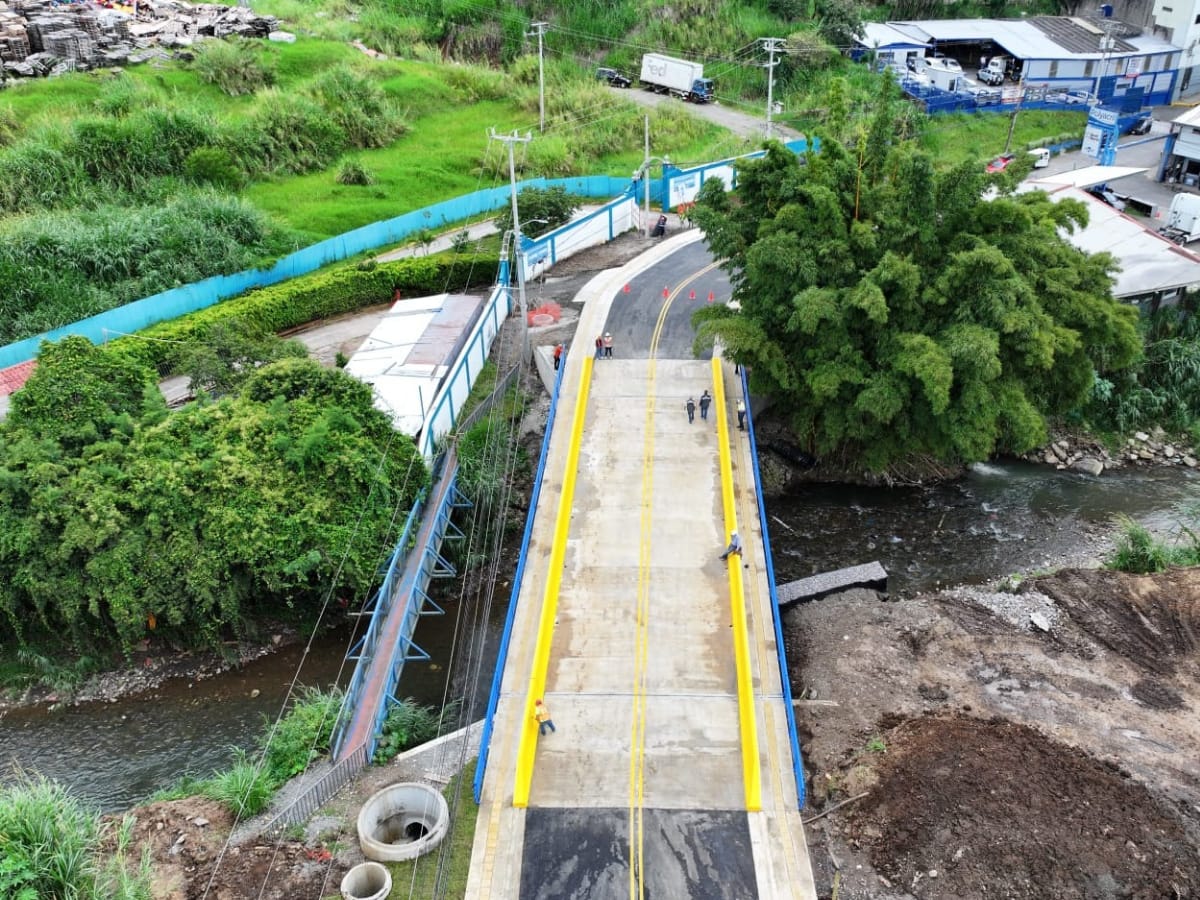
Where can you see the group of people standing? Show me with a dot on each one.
(604, 346)
(705, 401)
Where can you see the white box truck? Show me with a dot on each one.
(677, 77)
(1183, 219)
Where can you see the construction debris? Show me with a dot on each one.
(48, 37)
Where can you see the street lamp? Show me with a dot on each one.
(643, 172)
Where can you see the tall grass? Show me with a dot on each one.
(50, 847)
(1139, 552)
(59, 267)
(237, 66)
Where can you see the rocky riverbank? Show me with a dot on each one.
(1085, 454)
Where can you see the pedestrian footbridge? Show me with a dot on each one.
(674, 771)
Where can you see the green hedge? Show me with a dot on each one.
(326, 293)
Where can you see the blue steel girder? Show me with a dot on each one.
(437, 565)
(427, 601)
(411, 652)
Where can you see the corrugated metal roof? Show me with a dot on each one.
(1149, 262)
(884, 36)
(407, 355)
(1191, 118)
(1037, 37)
(1078, 35)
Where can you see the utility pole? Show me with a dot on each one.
(510, 140)
(772, 46)
(646, 174)
(539, 29)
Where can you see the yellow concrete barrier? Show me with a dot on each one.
(545, 634)
(748, 722)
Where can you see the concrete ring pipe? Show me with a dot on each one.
(403, 821)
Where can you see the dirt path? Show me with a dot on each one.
(743, 123)
(1029, 745)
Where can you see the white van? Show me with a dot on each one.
(1041, 157)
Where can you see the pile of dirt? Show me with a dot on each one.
(1047, 734)
(968, 808)
(187, 841)
(1152, 621)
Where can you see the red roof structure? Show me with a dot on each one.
(13, 378)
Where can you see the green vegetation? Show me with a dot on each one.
(118, 522)
(444, 872)
(1140, 552)
(540, 209)
(1163, 387)
(328, 292)
(408, 725)
(892, 312)
(50, 846)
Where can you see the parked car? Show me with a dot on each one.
(1001, 162)
(1105, 194)
(991, 76)
(1143, 124)
(613, 77)
(946, 62)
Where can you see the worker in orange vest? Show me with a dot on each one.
(542, 714)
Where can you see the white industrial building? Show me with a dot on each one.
(1051, 56)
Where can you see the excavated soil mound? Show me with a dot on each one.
(968, 808)
(186, 840)
(1152, 621)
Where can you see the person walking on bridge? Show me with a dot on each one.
(705, 399)
(542, 714)
(558, 352)
(691, 410)
(599, 346)
(607, 345)
(734, 548)
(741, 411)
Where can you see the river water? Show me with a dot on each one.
(997, 520)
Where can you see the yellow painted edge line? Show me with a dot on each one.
(751, 769)
(545, 632)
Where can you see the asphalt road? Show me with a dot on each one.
(633, 318)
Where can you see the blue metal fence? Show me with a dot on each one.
(776, 613)
(485, 738)
(189, 298)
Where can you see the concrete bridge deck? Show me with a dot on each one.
(668, 776)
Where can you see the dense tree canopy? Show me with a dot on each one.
(892, 310)
(117, 518)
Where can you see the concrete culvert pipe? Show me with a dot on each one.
(367, 881)
(402, 822)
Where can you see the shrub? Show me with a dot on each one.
(236, 66)
(57, 268)
(540, 209)
(359, 107)
(244, 789)
(287, 134)
(301, 735)
(10, 126)
(311, 297)
(125, 152)
(1140, 553)
(119, 96)
(38, 173)
(408, 724)
(51, 847)
(353, 172)
(214, 166)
